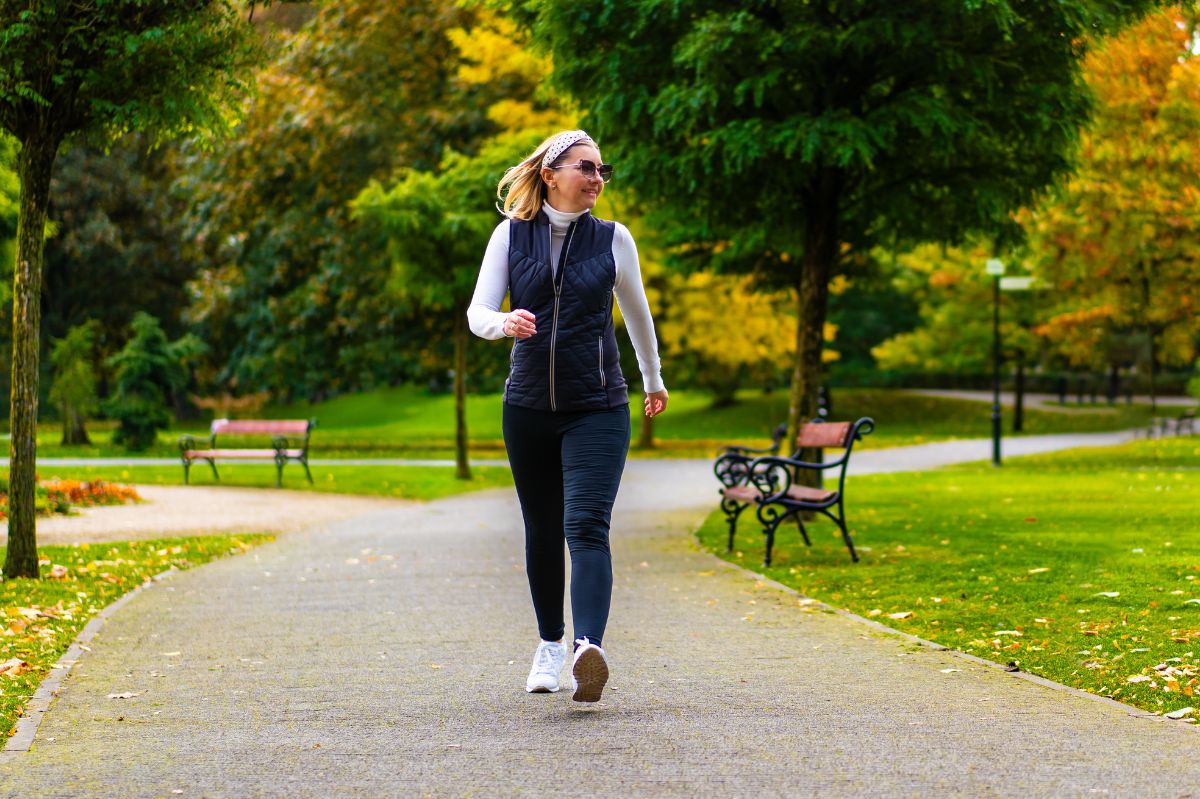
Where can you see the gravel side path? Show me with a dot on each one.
(386, 656)
(193, 510)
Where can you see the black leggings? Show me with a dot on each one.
(567, 467)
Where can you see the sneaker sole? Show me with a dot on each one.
(591, 673)
(541, 689)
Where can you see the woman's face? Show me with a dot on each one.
(568, 190)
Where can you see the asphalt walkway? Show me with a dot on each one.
(386, 655)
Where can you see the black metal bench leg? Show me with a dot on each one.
(279, 472)
(732, 511)
(306, 471)
(840, 519)
(769, 531)
(186, 468)
(803, 529)
(213, 465)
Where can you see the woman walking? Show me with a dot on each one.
(566, 404)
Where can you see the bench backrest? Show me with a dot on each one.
(279, 427)
(820, 435)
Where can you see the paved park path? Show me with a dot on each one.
(385, 655)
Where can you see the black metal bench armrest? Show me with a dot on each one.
(732, 468)
(186, 443)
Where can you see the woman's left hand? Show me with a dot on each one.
(656, 402)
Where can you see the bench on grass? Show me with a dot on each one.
(1183, 423)
(771, 484)
(289, 442)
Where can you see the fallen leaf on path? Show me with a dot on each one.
(126, 695)
(950, 671)
(170, 654)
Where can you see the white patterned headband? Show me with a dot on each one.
(564, 142)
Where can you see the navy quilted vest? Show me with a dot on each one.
(571, 363)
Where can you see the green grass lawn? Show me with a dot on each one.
(1083, 567)
(409, 422)
(40, 618)
(401, 482)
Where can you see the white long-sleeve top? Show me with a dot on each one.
(487, 321)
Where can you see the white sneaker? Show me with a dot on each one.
(590, 671)
(547, 665)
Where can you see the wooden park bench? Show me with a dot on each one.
(769, 483)
(1183, 423)
(289, 442)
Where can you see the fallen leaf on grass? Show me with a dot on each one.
(1008, 632)
(1109, 594)
(1039, 571)
(1178, 714)
(57, 572)
(904, 614)
(1138, 678)
(126, 695)
(875, 612)
(14, 667)
(1191, 602)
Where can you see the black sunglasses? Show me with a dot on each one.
(590, 169)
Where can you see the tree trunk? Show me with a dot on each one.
(74, 428)
(816, 268)
(646, 435)
(1019, 395)
(34, 168)
(1153, 373)
(462, 468)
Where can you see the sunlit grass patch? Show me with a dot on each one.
(40, 618)
(1082, 567)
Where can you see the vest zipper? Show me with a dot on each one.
(558, 278)
(603, 377)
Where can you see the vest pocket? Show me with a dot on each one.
(603, 377)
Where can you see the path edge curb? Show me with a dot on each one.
(883, 628)
(27, 725)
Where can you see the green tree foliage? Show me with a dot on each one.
(954, 295)
(1120, 240)
(73, 358)
(782, 136)
(146, 374)
(119, 246)
(74, 68)
(438, 225)
(294, 299)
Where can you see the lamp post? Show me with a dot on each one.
(995, 268)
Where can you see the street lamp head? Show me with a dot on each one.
(995, 267)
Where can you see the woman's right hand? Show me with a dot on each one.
(520, 324)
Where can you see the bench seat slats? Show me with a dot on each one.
(747, 494)
(194, 454)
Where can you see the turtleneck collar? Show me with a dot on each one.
(560, 220)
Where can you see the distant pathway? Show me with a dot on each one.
(385, 655)
(1049, 402)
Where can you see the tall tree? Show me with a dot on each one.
(73, 68)
(783, 135)
(294, 298)
(438, 225)
(1121, 239)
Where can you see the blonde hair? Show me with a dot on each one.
(522, 191)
